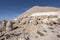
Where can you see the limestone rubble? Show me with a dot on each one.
(31, 28)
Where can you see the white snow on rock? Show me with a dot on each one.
(15, 19)
(46, 13)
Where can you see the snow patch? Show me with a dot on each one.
(46, 13)
(15, 19)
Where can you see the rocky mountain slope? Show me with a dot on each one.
(36, 9)
(37, 23)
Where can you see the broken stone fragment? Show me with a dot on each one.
(13, 38)
(3, 38)
(51, 28)
(52, 16)
(58, 36)
(41, 34)
(44, 16)
(23, 22)
(55, 16)
(9, 26)
(17, 32)
(42, 31)
(39, 21)
(7, 36)
(41, 17)
(58, 21)
(22, 36)
(16, 25)
(27, 36)
(34, 22)
(53, 20)
(45, 21)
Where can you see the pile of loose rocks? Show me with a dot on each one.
(31, 28)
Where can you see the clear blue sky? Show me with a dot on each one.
(10, 9)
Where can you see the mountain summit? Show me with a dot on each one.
(36, 9)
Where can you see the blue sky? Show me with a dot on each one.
(10, 9)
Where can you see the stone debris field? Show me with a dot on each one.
(43, 27)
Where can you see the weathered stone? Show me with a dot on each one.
(39, 21)
(50, 16)
(34, 22)
(44, 16)
(58, 36)
(41, 34)
(53, 20)
(9, 26)
(13, 38)
(23, 22)
(45, 21)
(16, 25)
(58, 21)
